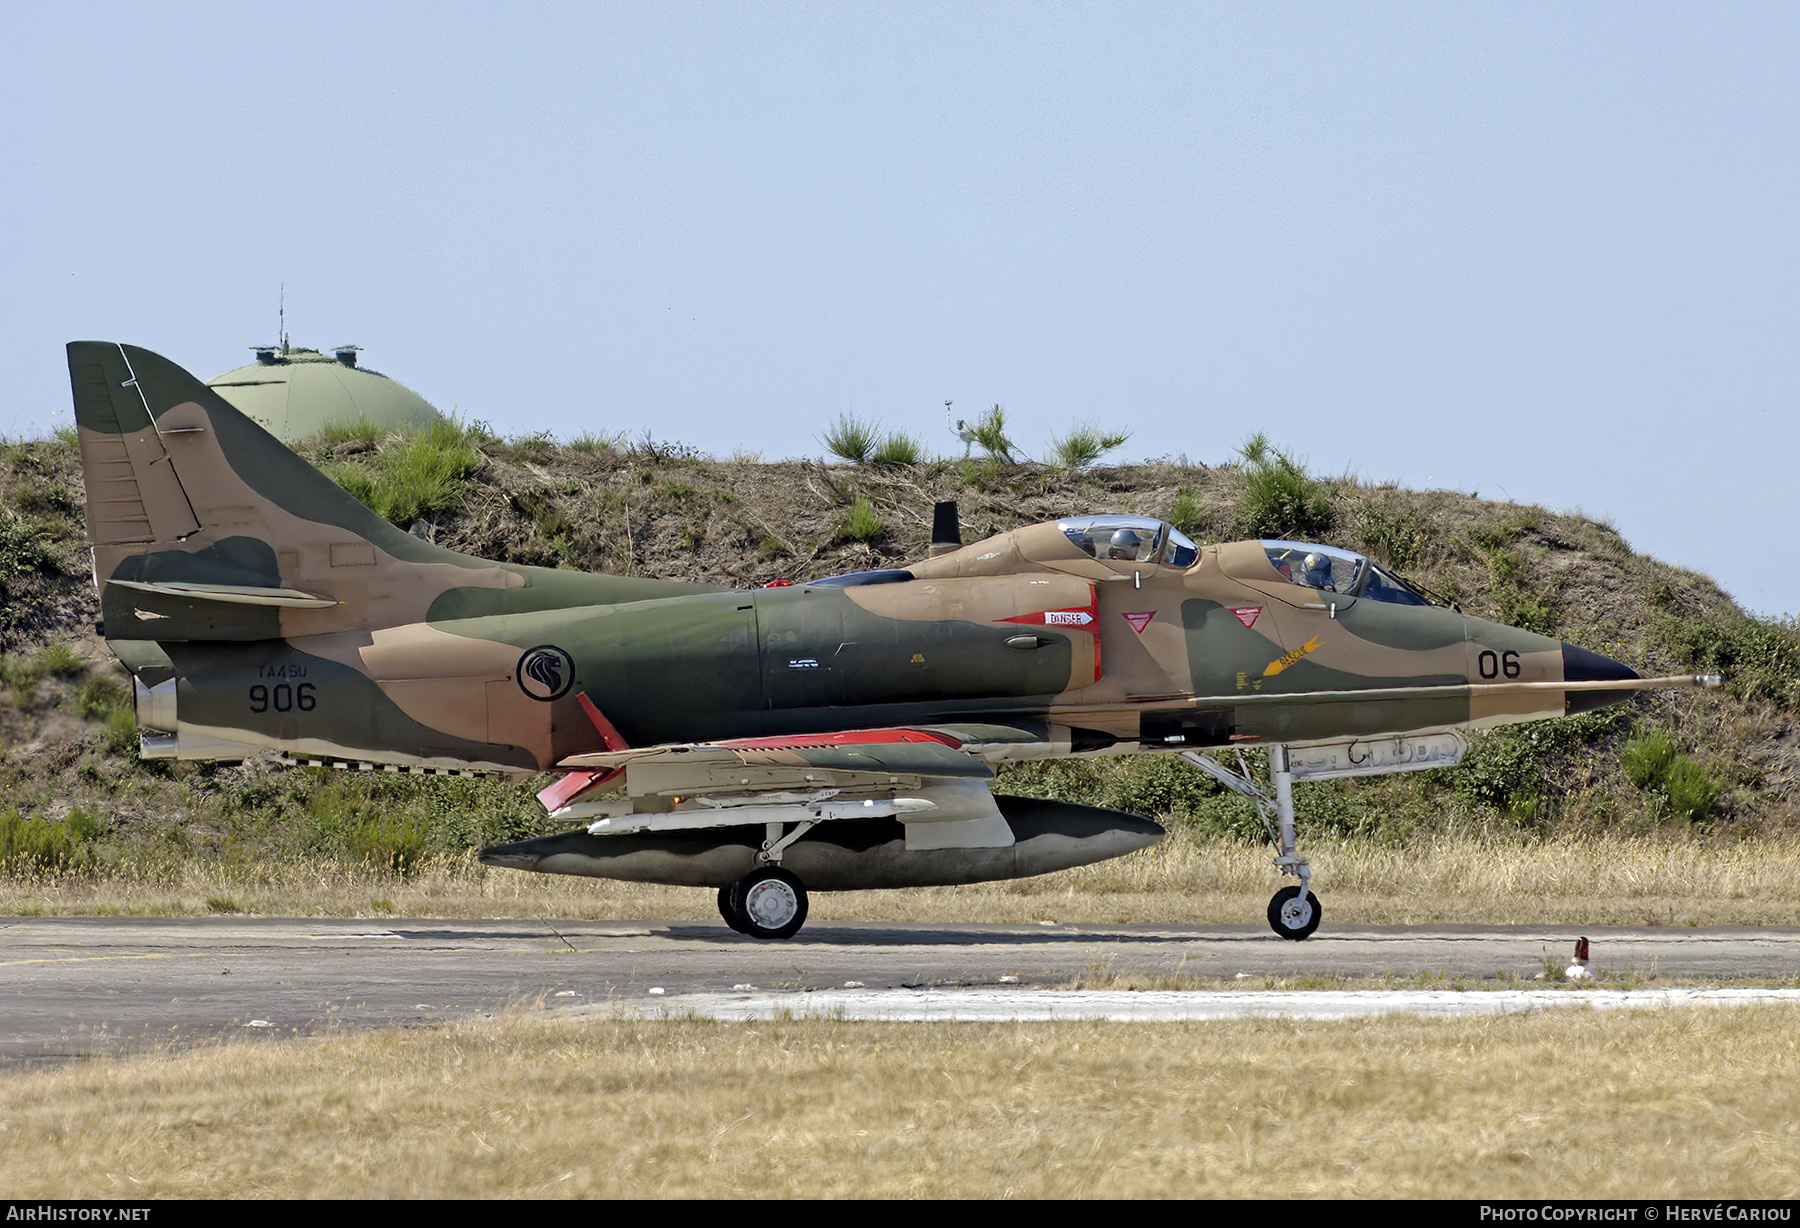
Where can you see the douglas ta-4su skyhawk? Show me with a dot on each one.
(831, 735)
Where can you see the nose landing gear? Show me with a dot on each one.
(1294, 912)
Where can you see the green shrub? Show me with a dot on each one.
(28, 844)
(1759, 660)
(982, 474)
(421, 475)
(61, 661)
(389, 843)
(21, 675)
(1646, 760)
(27, 546)
(591, 444)
(1491, 537)
(1392, 536)
(862, 524)
(1157, 785)
(1503, 770)
(1653, 764)
(851, 439)
(97, 696)
(898, 449)
(358, 430)
(534, 447)
(1280, 499)
(120, 735)
(49, 498)
(1083, 445)
(1187, 513)
(989, 431)
(1691, 792)
(1525, 612)
(391, 820)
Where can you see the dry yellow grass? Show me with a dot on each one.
(1584, 879)
(1686, 1102)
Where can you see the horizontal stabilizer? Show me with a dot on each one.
(233, 594)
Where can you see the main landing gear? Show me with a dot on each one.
(1294, 912)
(768, 902)
(765, 903)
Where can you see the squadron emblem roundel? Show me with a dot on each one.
(545, 672)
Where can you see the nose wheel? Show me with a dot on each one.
(1294, 913)
(765, 903)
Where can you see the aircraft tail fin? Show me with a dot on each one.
(206, 527)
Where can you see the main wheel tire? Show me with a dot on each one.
(726, 910)
(1294, 917)
(770, 903)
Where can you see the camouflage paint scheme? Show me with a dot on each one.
(262, 608)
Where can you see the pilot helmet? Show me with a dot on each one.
(1317, 568)
(1125, 543)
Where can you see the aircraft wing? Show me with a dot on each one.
(933, 779)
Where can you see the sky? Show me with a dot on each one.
(1542, 252)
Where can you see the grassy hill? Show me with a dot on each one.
(1722, 765)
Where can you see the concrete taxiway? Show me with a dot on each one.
(77, 986)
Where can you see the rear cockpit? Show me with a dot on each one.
(1331, 570)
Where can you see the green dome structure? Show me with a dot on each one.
(294, 393)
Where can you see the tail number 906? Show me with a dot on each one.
(283, 697)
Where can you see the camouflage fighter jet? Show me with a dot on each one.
(832, 735)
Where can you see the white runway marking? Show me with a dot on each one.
(1159, 1006)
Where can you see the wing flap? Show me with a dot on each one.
(929, 779)
(787, 761)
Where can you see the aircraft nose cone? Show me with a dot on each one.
(1580, 665)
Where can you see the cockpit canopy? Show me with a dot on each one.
(1331, 570)
(1132, 539)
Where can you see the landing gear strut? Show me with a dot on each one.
(1294, 911)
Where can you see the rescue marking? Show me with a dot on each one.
(1282, 662)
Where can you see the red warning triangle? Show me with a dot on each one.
(1246, 614)
(1140, 621)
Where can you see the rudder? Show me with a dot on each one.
(133, 494)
